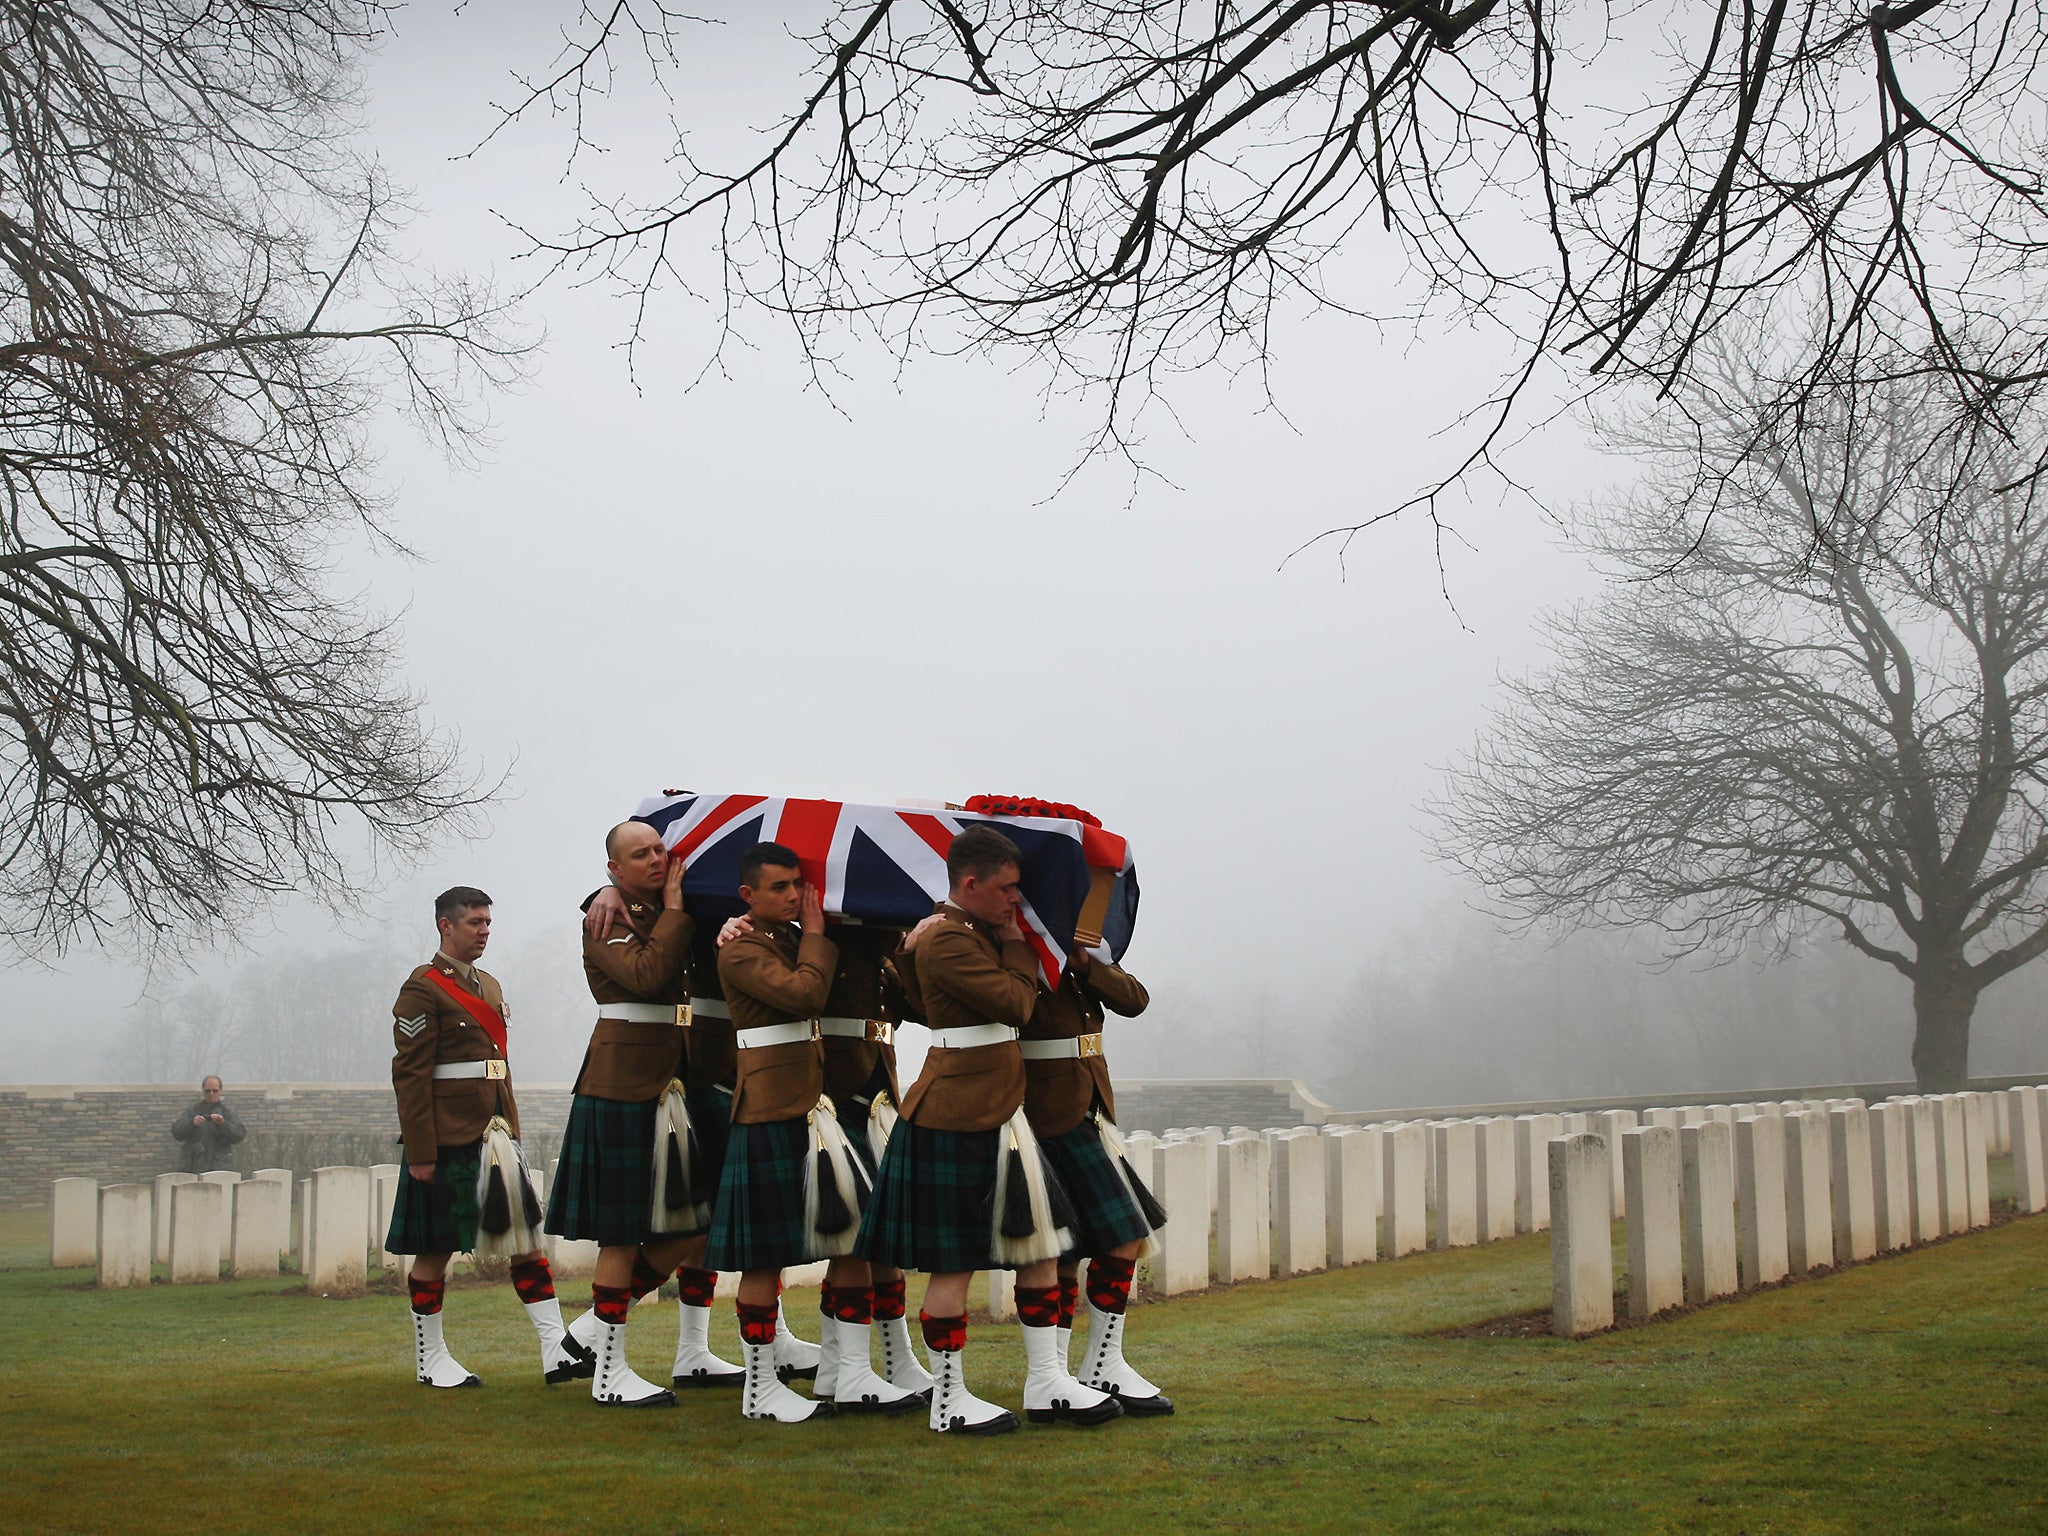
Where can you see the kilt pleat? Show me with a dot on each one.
(604, 1179)
(930, 1207)
(439, 1217)
(758, 1222)
(1106, 1213)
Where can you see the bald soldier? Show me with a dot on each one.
(450, 1071)
(604, 1183)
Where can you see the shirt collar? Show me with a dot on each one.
(461, 968)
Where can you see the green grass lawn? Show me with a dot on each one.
(1909, 1394)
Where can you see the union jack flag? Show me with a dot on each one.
(887, 864)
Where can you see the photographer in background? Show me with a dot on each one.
(208, 1131)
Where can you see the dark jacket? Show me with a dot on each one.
(203, 1148)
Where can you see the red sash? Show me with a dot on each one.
(476, 1008)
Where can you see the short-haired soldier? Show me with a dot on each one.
(962, 1186)
(453, 1079)
(632, 1072)
(792, 1188)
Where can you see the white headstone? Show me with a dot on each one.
(1404, 1221)
(227, 1179)
(74, 1223)
(198, 1214)
(383, 1201)
(2029, 1153)
(1761, 1255)
(1002, 1295)
(261, 1222)
(1183, 1262)
(305, 1224)
(1581, 1236)
(1850, 1175)
(341, 1216)
(284, 1177)
(1953, 1162)
(165, 1182)
(1924, 1133)
(126, 1220)
(1301, 1213)
(1650, 1201)
(2000, 1108)
(1809, 1213)
(1891, 1177)
(1611, 1124)
(1352, 1175)
(1533, 1134)
(1243, 1240)
(1725, 1113)
(1692, 1114)
(572, 1256)
(1668, 1118)
(1457, 1184)
(1496, 1178)
(1705, 1152)
(1976, 1158)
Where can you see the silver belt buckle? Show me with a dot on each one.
(496, 1070)
(881, 1032)
(817, 1029)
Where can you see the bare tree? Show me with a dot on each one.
(1795, 705)
(200, 312)
(1132, 187)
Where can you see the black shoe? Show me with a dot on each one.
(580, 1365)
(661, 1398)
(1002, 1424)
(1084, 1418)
(704, 1378)
(908, 1404)
(1157, 1406)
(788, 1373)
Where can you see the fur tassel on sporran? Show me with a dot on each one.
(1147, 1202)
(1030, 1218)
(882, 1119)
(835, 1187)
(678, 1203)
(508, 1209)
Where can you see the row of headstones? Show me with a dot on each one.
(1746, 1195)
(196, 1226)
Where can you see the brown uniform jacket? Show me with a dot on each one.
(429, 1026)
(648, 963)
(862, 988)
(1058, 1093)
(964, 975)
(776, 975)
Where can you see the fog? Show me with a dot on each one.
(892, 588)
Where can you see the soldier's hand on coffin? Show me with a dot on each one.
(1079, 962)
(424, 1172)
(909, 945)
(672, 883)
(607, 908)
(810, 910)
(734, 927)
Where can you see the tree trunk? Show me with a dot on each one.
(1943, 1001)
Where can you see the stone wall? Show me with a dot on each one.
(118, 1133)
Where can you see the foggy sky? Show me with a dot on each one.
(747, 586)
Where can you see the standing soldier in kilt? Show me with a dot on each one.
(964, 1162)
(450, 1072)
(1068, 1099)
(792, 1190)
(605, 1185)
(859, 1030)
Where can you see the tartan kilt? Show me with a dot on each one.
(758, 1222)
(930, 1209)
(439, 1217)
(604, 1179)
(1106, 1213)
(711, 1118)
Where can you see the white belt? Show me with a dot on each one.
(973, 1034)
(710, 1008)
(1085, 1048)
(778, 1034)
(874, 1031)
(491, 1069)
(677, 1014)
